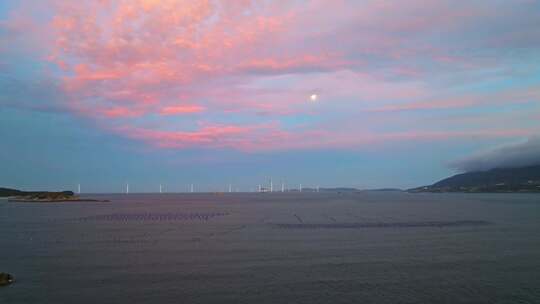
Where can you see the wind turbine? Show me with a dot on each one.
(79, 188)
(127, 188)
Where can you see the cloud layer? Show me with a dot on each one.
(508, 156)
(238, 74)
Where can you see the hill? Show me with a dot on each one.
(524, 179)
(4, 192)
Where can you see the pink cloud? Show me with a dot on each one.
(217, 136)
(287, 65)
(271, 138)
(508, 96)
(249, 67)
(120, 112)
(182, 109)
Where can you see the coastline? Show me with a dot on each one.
(24, 200)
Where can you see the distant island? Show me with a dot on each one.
(15, 195)
(345, 190)
(321, 189)
(524, 179)
(384, 190)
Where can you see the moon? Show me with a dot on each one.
(313, 97)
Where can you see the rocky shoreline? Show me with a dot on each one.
(5, 279)
(43, 197)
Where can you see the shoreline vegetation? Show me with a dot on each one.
(13, 195)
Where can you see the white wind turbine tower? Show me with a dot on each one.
(127, 188)
(271, 185)
(191, 188)
(230, 188)
(282, 187)
(300, 187)
(160, 188)
(79, 188)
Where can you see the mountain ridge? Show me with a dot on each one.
(522, 179)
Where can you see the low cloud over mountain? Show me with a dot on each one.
(508, 156)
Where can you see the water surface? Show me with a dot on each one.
(274, 248)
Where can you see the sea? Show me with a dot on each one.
(366, 247)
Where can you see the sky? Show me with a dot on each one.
(213, 93)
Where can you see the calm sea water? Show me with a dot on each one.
(274, 248)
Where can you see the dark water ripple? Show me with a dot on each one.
(139, 217)
(438, 224)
